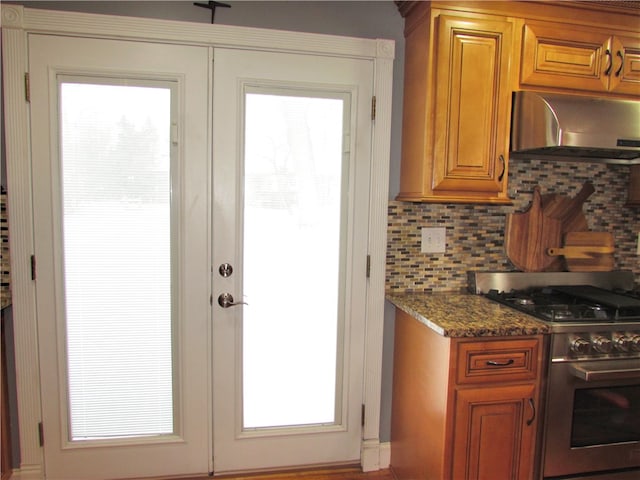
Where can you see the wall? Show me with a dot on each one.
(475, 233)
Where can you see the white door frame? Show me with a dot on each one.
(17, 23)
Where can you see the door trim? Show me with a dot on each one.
(18, 22)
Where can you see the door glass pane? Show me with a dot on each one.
(115, 156)
(294, 188)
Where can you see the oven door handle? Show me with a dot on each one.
(605, 370)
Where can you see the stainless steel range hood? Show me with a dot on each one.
(574, 128)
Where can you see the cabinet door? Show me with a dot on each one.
(561, 56)
(625, 72)
(472, 103)
(494, 433)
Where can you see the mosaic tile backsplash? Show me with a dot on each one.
(475, 233)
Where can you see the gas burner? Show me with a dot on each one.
(524, 301)
(598, 311)
(558, 313)
(571, 304)
(562, 314)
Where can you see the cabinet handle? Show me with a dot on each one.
(621, 57)
(504, 168)
(533, 410)
(610, 58)
(495, 363)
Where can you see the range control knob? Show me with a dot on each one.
(580, 346)
(601, 344)
(622, 342)
(635, 342)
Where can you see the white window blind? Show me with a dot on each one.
(117, 248)
(295, 192)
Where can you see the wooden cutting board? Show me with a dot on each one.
(529, 234)
(587, 251)
(569, 211)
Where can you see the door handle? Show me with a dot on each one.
(504, 167)
(225, 300)
(607, 71)
(533, 409)
(621, 57)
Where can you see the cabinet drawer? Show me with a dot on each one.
(497, 361)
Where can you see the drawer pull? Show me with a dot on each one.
(494, 363)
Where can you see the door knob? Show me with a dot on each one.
(225, 300)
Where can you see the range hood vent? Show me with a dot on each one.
(573, 128)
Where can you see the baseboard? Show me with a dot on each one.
(27, 473)
(375, 455)
(385, 455)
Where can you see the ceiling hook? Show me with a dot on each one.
(211, 5)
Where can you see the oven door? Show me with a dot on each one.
(593, 417)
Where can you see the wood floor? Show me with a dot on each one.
(352, 473)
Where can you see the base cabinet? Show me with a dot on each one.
(493, 437)
(464, 408)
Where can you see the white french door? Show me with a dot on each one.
(121, 168)
(291, 168)
(198, 315)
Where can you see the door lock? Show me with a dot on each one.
(225, 270)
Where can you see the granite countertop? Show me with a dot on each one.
(466, 315)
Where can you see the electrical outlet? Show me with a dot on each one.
(433, 240)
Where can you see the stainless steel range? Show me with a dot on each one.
(592, 414)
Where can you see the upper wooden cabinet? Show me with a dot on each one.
(456, 106)
(633, 198)
(566, 56)
(463, 60)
